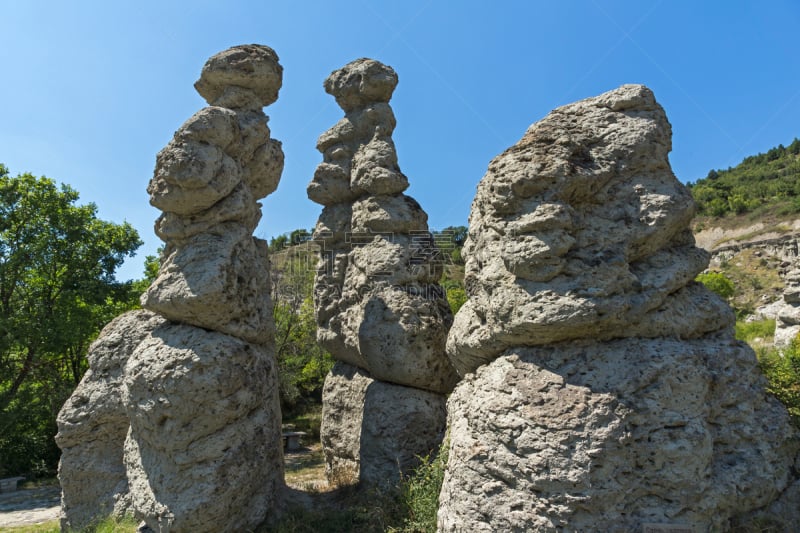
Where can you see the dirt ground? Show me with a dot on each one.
(305, 471)
(26, 507)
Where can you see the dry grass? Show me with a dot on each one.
(755, 278)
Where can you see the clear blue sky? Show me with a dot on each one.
(92, 91)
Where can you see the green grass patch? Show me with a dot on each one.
(109, 525)
(756, 329)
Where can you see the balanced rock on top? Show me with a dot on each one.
(201, 390)
(378, 305)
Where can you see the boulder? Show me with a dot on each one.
(581, 229)
(608, 436)
(204, 450)
(375, 431)
(603, 388)
(92, 426)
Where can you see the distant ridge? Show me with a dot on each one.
(766, 184)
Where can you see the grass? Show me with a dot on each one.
(410, 507)
(782, 369)
(109, 525)
(761, 330)
(46, 527)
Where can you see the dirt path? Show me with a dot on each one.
(29, 506)
(305, 471)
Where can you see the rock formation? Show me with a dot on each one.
(787, 320)
(379, 309)
(362, 412)
(92, 426)
(204, 448)
(604, 389)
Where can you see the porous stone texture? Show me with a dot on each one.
(92, 426)
(378, 304)
(608, 436)
(582, 230)
(207, 182)
(376, 430)
(604, 388)
(204, 448)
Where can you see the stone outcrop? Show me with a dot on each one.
(204, 448)
(787, 321)
(204, 452)
(765, 255)
(92, 426)
(604, 389)
(378, 305)
(361, 433)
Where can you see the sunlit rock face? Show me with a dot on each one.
(204, 451)
(93, 424)
(604, 389)
(378, 304)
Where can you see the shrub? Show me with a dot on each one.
(717, 282)
(782, 370)
(420, 492)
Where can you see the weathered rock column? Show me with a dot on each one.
(92, 426)
(379, 308)
(204, 449)
(604, 388)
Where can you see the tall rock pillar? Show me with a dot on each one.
(379, 309)
(201, 390)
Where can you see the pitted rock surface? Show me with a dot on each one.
(241, 77)
(608, 436)
(92, 426)
(377, 299)
(204, 448)
(604, 388)
(787, 321)
(207, 181)
(581, 230)
(374, 431)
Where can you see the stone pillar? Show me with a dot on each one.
(379, 309)
(201, 391)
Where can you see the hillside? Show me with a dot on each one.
(763, 188)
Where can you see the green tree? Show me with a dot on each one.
(718, 283)
(57, 289)
(302, 363)
(459, 234)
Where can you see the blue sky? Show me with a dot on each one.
(92, 91)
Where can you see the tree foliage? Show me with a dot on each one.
(57, 290)
(718, 283)
(771, 179)
(302, 363)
